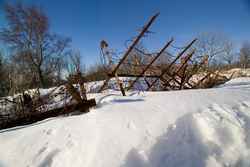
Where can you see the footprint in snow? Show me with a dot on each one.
(48, 160)
(42, 150)
(244, 104)
(49, 131)
(70, 144)
(131, 125)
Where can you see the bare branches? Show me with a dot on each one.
(35, 49)
(166, 70)
(245, 55)
(152, 61)
(216, 46)
(126, 54)
(175, 73)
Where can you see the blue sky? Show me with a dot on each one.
(89, 21)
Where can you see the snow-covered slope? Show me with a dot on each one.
(191, 128)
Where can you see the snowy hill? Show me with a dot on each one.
(190, 128)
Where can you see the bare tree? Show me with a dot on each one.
(245, 55)
(4, 86)
(35, 49)
(214, 45)
(229, 55)
(75, 64)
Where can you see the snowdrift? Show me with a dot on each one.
(191, 128)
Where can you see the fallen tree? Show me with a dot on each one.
(26, 109)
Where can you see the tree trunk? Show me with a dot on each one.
(41, 79)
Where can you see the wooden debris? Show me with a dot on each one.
(29, 110)
(166, 70)
(152, 61)
(144, 30)
(174, 75)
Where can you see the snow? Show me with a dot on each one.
(237, 82)
(237, 72)
(189, 128)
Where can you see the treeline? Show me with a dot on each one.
(36, 56)
(39, 58)
(222, 52)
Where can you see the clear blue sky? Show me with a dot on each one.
(88, 22)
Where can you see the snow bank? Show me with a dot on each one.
(191, 128)
(237, 72)
(237, 82)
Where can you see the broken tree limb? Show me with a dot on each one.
(82, 86)
(74, 93)
(120, 84)
(35, 116)
(196, 68)
(77, 97)
(183, 78)
(173, 62)
(189, 56)
(149, 65)
(146, 81)
(134, 75)
(144, 30)
(201, 80)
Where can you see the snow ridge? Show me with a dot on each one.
(216, 136)
(189, 128)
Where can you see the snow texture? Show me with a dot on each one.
(189, 128)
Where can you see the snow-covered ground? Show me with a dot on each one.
(189, 128)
